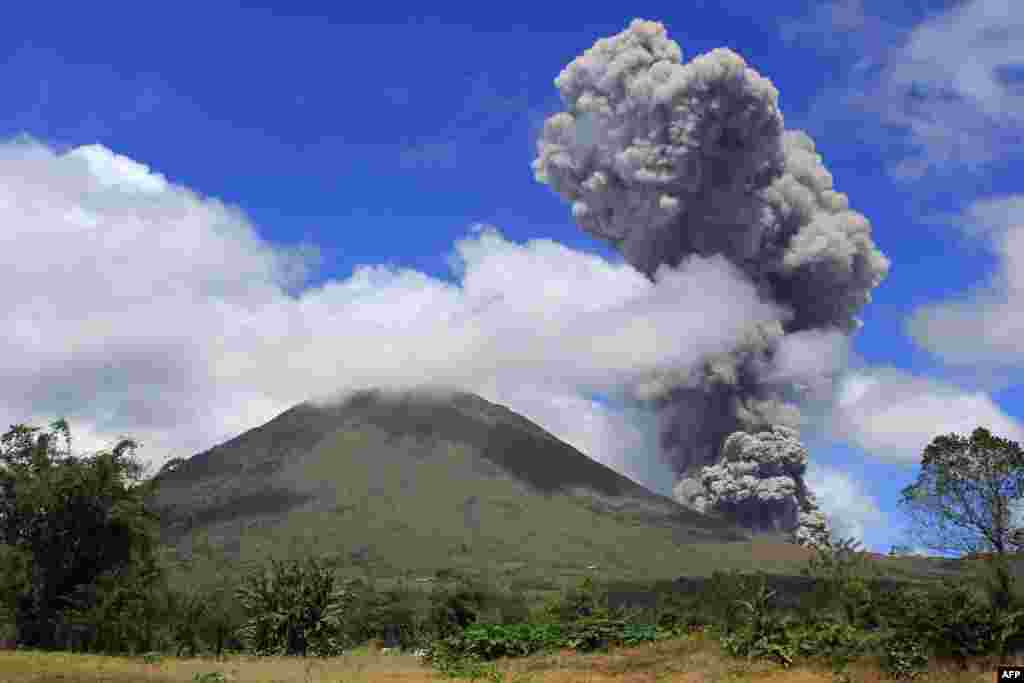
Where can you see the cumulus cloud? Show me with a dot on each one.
(137, 307)
(850, 509)
(951, 85)
(893, 415)
(984, 326)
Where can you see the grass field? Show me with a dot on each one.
(695, 659)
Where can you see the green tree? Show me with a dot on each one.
(963, 502)
(205, 605)
(66, 521)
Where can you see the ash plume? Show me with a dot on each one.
(668, 161)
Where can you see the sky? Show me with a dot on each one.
(209, 213)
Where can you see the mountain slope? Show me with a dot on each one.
(421, 482)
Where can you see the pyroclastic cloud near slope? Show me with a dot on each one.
(668, 160)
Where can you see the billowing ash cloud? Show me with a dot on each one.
(760, 483)
(668, 160)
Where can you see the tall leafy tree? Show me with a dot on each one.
(965, 500)
(73, 518)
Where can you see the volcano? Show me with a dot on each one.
(417, 482)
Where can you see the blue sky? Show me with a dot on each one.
(214, 203)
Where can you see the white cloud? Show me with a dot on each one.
(893, 415)
(136, 307)
(849, 508)
(984, 327)
(117, 170)
(950, 84)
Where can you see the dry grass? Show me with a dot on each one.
(688, 660)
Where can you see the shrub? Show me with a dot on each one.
(452, 611)
(720, 598)
(295, 610)
(676, 614)
(844, 582)
(477, 643)
(770, 638)
(585, 599)
(906, 656)
(390, 616)
(837, 641)
(757, 633)
(958, 624)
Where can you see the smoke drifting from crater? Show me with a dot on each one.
(670, 161)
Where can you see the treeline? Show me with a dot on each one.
(81, 569)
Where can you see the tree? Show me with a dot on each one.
(963, 501)
(70, 520)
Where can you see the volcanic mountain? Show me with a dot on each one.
(415, 482)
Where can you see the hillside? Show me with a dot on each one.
(421, 483)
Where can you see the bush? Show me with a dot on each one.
(487, 642)
(721, 596)
(295, 610)
(491, 641)
(595, 633)
(845, 582)
(756, 633)
(676, 614)
(838, 642)
(956, 624)
(583, 600)
(453, 610)
(906, 656)
(770, 638)
(394, 617)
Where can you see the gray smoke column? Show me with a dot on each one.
(668, 160)
(759, 482)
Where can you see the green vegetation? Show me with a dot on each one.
(82, 570)
(465, 485)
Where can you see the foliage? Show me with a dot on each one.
(961, 626)
(210, 677)
(491, 641)
(843, 581)
(585, 599)
(951, 621)
(723, 594)
(453, 610)
(837, 641)
(961, 501)
(67, 522)
(906, 656)
(205, 615)
(389, 616)
(120, 610)
(293, 609)
(678, 623)
(487, 642)
(758, 633)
